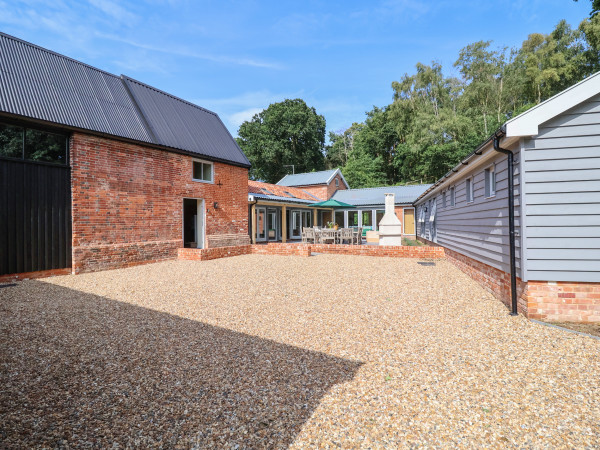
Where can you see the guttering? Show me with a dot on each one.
(511, 220)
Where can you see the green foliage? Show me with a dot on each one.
(286, 133)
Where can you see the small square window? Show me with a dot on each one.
(469, 189)
(490, 181)
(203, 171)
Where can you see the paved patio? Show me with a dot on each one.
(262, 351)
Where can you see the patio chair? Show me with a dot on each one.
(358, 235)
(304, 235)
(346, 234)
(328, 235)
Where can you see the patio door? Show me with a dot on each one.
(272, 227)
(296, 225)
(261, 224)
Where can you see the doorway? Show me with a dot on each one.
(193, 223)
(409, 221)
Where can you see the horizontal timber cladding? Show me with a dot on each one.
(35, 217)
(477, 229)
(561, 169)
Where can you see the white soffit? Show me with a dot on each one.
(527, 124)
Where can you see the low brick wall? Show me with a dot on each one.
(282, 249)
(392, 251)
(205, 254)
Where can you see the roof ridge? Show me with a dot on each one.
(60, 55)
(385, 187)
(133, 80)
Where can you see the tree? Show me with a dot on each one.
(286, 133)
(363, 171)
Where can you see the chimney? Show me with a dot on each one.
(390, 227)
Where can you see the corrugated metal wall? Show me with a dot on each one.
(35, 217)
(561, 169)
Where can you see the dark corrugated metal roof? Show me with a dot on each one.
(376, 196)
(183, 125)
(44, 85)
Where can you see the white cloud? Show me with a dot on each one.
(236, 119)
(115, 11)
(181, 51)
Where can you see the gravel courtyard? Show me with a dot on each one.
(272, 351)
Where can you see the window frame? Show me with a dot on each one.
(24, 126)
(469, 190)
(490, 174)
(452, 190)
(337, 182)
(212, 171)
(444, 201)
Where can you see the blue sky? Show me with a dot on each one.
(236, 58)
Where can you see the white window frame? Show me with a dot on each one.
(490, 181)
(444, 200)
(469, 191)
(212, 171)
(452, 196)
(337, 182)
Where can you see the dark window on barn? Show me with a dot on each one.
(452, 197)
(444, 199)
(32, 145)
(203, 171)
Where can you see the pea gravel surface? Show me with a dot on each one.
(262, 351)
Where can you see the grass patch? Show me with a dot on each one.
(411, 242)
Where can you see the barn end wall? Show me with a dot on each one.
(127, 203)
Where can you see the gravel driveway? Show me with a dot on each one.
(272, 351)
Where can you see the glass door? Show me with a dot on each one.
(296, 225)
(261, 224)
(272, 224)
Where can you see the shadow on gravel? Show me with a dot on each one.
(81, 370)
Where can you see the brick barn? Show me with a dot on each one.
(99, 171)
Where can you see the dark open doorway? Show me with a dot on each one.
(193, 223)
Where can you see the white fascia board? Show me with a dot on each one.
(527, 123)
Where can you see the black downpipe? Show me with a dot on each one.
(511, 224)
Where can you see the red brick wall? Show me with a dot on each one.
(127, 203)
(195, 254)
(563, 301)
(325, 192)
(282, 249)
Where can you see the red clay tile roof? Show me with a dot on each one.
(256, 187)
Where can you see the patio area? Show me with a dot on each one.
(263, 351)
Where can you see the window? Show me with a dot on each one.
(444, 199)
(266, 191)
(469, 189)
(452, 198)
(32, 145)
(337, 182)
(490, 181)
(289, 194)
(203, 171)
